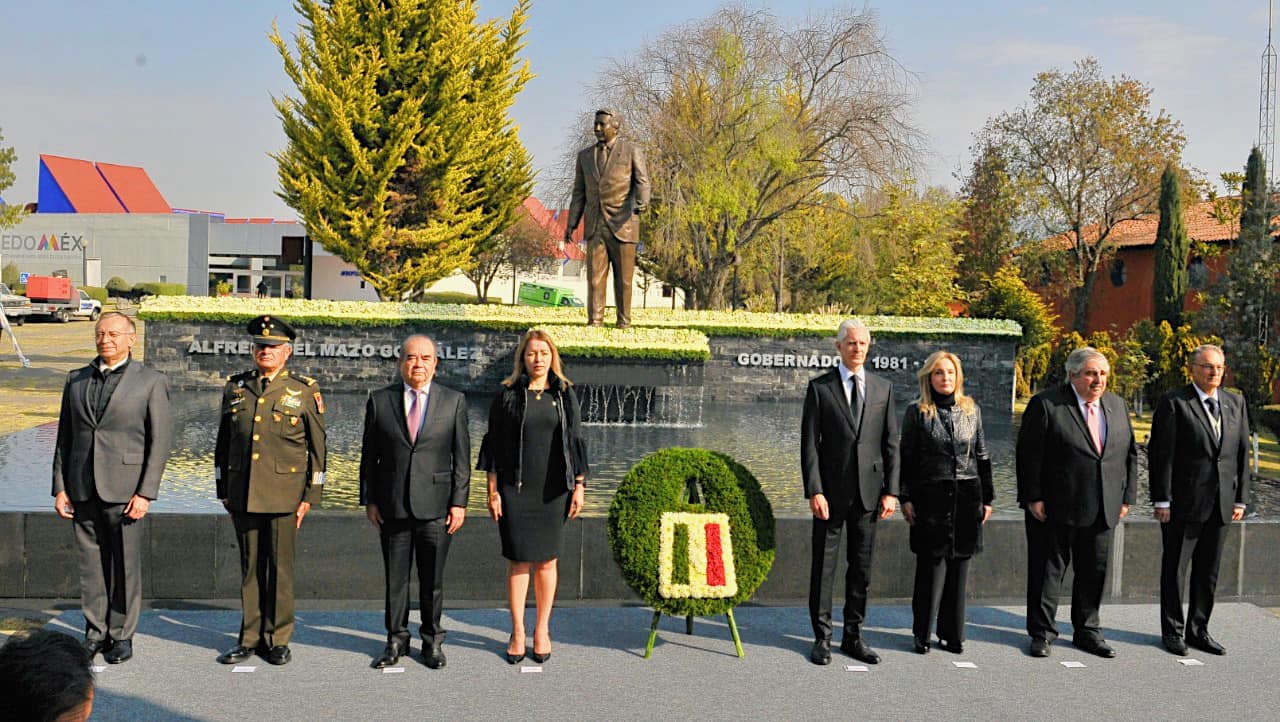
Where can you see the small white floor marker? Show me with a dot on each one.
(965, 665)
(855, 668)
(244, 668)
(1190, 662)
(393, 670)
(98, 668)
(526, 669)
(1073, 665)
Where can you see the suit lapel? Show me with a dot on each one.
(591, 156)
(395, 395)
(1073, 405)
(80, 395)
(123, 388)
(431, 415)
(837, 389)
(1198, 411)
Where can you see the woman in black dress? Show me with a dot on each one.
(946, 497)
(536, 462)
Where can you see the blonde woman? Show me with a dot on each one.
(946, 497)
(535, 460)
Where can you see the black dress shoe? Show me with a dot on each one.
(821, 652)
(952, 646)
(93, 646)
(921, 645)
(235, 655)
(433, 657)
(859, 650)
(1205, 643)
(390, 655)
(121, 651)
(1095, 646)
(279, 655)
(1175, 645)
(1039, 647)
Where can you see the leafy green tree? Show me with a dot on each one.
(401, 155)
(746, 120)
(10, 274)
(903, 260)
(1005, 295)
(1168, 350)
(9, 215)
(1243, 305)
(524, 247)
(1088, 151)
(991, 209)
(1172, 250)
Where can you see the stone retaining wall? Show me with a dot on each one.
(194, 556)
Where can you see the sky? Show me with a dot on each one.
(184, 89)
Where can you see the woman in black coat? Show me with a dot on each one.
(535, 461)
(946, 497)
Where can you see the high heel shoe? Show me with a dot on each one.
(539, 658)
(514, 658)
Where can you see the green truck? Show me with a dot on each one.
(533, 294)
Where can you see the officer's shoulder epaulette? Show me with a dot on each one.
(305, 379)
(240, 376)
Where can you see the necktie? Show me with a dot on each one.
(264, 380)
(855, 401)
(1215, 415)
(602, 156)
(415, 415)
(1095, 426)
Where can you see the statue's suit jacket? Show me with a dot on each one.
(610, 195)
(1191, 469)
(417, 479)
(122, 453)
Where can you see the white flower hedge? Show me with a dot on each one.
(655, 334)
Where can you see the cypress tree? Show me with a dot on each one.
(401, 152)
(1172, 249)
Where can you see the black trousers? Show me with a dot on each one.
(939, 592)
(402, 539)
(267, 543)
(1198, 545)
(1051, 548)
(822, 572)
(110, 547)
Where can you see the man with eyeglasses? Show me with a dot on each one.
(1199, 485)
(114, 434)
(269, 461)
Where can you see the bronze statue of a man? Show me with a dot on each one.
(610, 187)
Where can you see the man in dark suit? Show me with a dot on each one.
(610, 189)
(1199, 485)
(1077, 475)
(114, 434)
(849, 462)
(269, 461)
(415, 475)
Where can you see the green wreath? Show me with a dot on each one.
(658, 484)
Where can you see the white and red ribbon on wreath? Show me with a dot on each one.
(710, 553)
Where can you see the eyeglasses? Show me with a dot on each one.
(1211, 367)
(113, 335)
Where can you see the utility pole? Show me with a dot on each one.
(1267, 102)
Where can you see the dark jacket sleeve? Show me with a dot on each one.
(368, 451)
(489, 453)
(1160, 448)
(909, 449)
(62, 447)
(1130, 462)
(1029, 453)
(461, 455)
(1245, 478)
(983, 457)
(159, 438)
(889, 447)
(577, 441)
(810, 436)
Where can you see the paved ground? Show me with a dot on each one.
(597, 671)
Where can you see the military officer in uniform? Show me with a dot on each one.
(269, 460)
